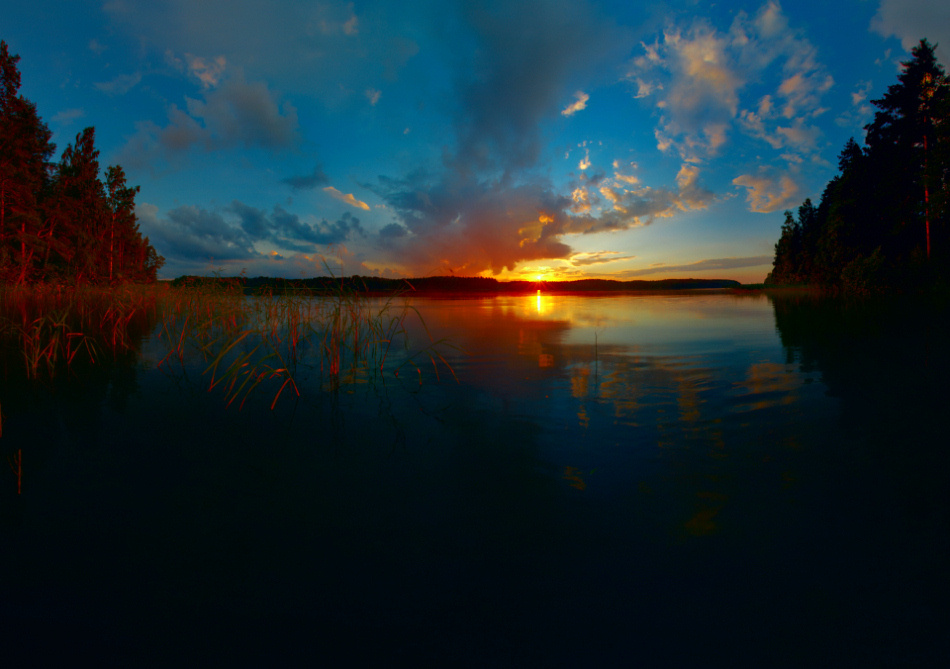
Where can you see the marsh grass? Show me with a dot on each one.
(241, 343)
(55, 326)
(249, 342)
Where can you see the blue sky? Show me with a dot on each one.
(512, 139)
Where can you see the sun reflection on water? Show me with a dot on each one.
(543, 304)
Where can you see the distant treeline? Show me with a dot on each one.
(883, 223)
(60, 222)
(443, 284)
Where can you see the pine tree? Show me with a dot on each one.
(883, 220)
(25, 151)
(78, 214)
(123, 230)
(58, 223)
(900, 144)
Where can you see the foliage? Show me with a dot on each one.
(884, 221)
(61, 223)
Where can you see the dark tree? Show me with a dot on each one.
(79, 212)
(124, 236)
(62, 223)
(900, 142)
(25, 152)
(882, 222)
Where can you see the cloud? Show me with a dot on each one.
(325, 48)
(349, 198)
(584, 162)
(393, 230)
(237, 113)
(526, 57)
(67, 116)
(470, 226)
(579, 103)
(699, 75)
(120, 85)
(233, 232)
(597, 258)
(802, 91)
(192, 233)
(912, 20)
(714, 264)
(307, 181)
(373, 96)
(861, 111)
(799, 136)
(208, 71)
(290, 231)
(696, 81)
(245, 113)
(768, 193)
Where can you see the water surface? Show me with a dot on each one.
(713, 480)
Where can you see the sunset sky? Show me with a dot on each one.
(568, 139)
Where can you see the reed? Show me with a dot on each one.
(248, 342)
(241, 343)
(53, 325)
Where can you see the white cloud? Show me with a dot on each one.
(699, 74)
(799, 136)
(768, 193)
(579, 103)
(801, 91)
(861, 111)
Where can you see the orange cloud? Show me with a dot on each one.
(349, 198)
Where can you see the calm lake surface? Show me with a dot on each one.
(632, 480)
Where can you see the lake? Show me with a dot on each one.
(626, 480)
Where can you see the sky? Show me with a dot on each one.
(560, 139)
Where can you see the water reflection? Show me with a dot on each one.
(754, 473)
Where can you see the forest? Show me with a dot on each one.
(882, 222)
(443, 284)
(60, 222)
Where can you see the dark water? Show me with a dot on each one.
(622, 481)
